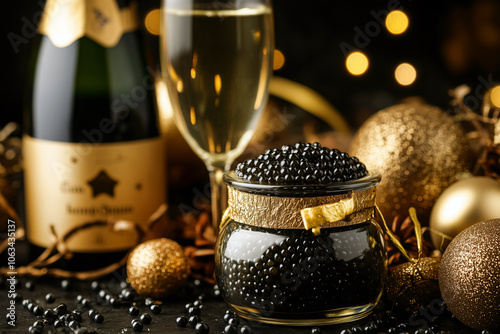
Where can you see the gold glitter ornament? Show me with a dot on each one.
(463, 204)
(418, 149)
(470, 276)
(414, 284)
(157, 268)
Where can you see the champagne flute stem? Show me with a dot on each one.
(219, 196)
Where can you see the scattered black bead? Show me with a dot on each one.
(246, 330)
(17, 297)
(155, 308)
(49, 314)
(233, 321)
(137, 325)
(77, 315)
(181, 321)
(127, 295)
(229, 329)
(113, 302)
(95, 285)
(85, 302)
(194, 319)
(10, 317)
(316, 330)
(149, 301)
(228, 316)
(198, 303)
(35, 330)
(92, 313)
(346, 331)
(29, 285)
(194, 310)
(73, 324)
(61, 309)
(146, 318)
(58, 323)
(99, 318)
(392, 330)
(202, 328)
(38, 323)
(37, 310)
(485, 331)
(356, 330)
(65, 284)
(103, 293)
(50, 298)
(31, 307)
(133, 310)
(25, 303)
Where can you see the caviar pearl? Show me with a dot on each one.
(137, 325)
(146, 318)
(202, 328)
(181, 321)
(133, 310)
(302, 164)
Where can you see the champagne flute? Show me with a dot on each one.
(216, 59)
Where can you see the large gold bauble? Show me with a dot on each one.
(418, 149)
(157, 268)
(463, 204)
(469, 276)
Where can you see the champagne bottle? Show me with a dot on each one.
(92, 147)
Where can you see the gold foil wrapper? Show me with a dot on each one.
(100, 20)
(301, 212)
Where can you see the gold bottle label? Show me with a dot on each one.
(65, 21)
(70, 184)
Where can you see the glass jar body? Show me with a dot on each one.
(293, 277)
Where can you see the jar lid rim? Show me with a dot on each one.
(371, 180)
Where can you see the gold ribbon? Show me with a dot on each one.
(301, 212)
(394, 239)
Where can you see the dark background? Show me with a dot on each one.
(449, 42)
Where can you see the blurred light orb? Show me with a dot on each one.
(278, 60)
(152, 22)
(396, 22)
(495, 96)
(356, 63)
(405, 74)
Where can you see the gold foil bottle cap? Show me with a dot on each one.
(100, 20)
(301, 207)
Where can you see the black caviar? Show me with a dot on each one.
(301, 164)
(283, 273)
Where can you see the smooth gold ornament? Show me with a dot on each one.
(470, 276)
(461, 205)
(418, 149)
(157, 268)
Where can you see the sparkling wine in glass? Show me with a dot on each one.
(216, 62)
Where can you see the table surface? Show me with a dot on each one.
(117, 319)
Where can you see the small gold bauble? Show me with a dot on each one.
(469, 277)
(414, 284)
(418, 149)
(463, 204)
(157, 268)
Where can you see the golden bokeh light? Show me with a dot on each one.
(278, 60)
(396, 22)
(152, 22)
(405, 74)
(356, 63)
(495, 96)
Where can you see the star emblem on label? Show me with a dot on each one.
(103, 184)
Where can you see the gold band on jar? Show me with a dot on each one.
(301, 212)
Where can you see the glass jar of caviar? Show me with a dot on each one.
(301, 254)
